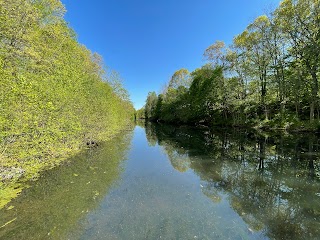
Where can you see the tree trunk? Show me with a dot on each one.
(261, 153)
(312, 104)
(315, 89)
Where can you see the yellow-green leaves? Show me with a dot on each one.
(215, 53)
(271, 72)
(181, 78)
(54, 94)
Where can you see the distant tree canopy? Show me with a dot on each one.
(180, 78)
(54, 93)
(268, 76)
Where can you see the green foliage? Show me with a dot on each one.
(55, 95)
(150, 106)
(180, 78)
(268, 77)
(140, 114)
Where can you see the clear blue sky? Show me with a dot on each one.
(146, 41)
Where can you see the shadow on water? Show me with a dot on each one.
(53, 206)
(272, 182)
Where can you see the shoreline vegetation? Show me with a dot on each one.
(267, 79)
(56, 96)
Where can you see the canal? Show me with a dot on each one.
(165, 182)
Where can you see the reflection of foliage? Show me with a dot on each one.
(140, 123)
(212, 192)
(272, 181)
(179, 161)
(58, 200)
(178, 156)
(151, 136)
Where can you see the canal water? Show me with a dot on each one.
(165, 182)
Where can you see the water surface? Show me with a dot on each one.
(177, 183)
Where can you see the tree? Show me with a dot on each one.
(216, 53)
(253, 42)
(268, 77)
(180, 78)
(299, 21)
(53, 93)
(150, 105)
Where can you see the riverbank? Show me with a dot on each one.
(56, 96)
(265, 125)
(17, 175)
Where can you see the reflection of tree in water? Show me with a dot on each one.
(140, 122)
(53, 206)
(177, 155)
(273, 182)
(212, 192)
(151, 134)
(179, 159)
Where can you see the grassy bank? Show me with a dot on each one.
(55, 95)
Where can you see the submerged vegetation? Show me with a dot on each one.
(268, 77)
(66, 194)
(55, 95)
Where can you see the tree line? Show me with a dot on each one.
(268, 76)
(55, 94)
